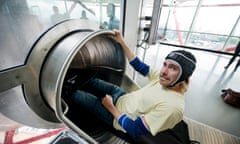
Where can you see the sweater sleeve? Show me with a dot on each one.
(133, 128)
(140, 66)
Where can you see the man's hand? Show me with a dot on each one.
(119, 39)
(108, 104)
(117, 36)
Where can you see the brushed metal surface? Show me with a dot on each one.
(40, 79)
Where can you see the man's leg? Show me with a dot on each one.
(90, 97)
(100, 88)
(93, 104)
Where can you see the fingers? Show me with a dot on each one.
(110, 36)
(106, 99)
(107, 102)
(116, 31)
(117, 36)
(114, 37)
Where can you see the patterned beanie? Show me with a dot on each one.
(186, 61)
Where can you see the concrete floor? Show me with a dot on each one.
(203, 100)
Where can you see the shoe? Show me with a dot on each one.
(231, 97)
(225, 92)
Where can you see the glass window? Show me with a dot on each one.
(236, 31)
(106, 14)
(176, 19)
(23, 21)
(216, 18)
(204, 24)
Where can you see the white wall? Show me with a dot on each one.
(132, 19)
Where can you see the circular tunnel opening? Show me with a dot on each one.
(99, 58)
(74, 61)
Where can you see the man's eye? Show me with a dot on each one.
(173, 68)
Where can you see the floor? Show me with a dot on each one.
(12, 132)
(203, 101)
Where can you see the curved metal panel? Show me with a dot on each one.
(28, 75)
(81, 50)
(35, 62)
(61, 57)
(63, 47)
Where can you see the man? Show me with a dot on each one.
(56, 17)
(156, 107)
(113, 21)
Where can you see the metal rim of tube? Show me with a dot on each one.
(52, 88)
(35, 60)
(51, 85)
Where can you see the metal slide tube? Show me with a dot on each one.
(70, 44)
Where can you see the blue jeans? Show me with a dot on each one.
(90, 98)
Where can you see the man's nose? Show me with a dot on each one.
(164, 70)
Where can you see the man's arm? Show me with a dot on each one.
(108, 104)
(133, 127)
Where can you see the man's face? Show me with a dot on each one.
(169, 72)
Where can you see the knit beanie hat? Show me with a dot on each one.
(186, 61)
